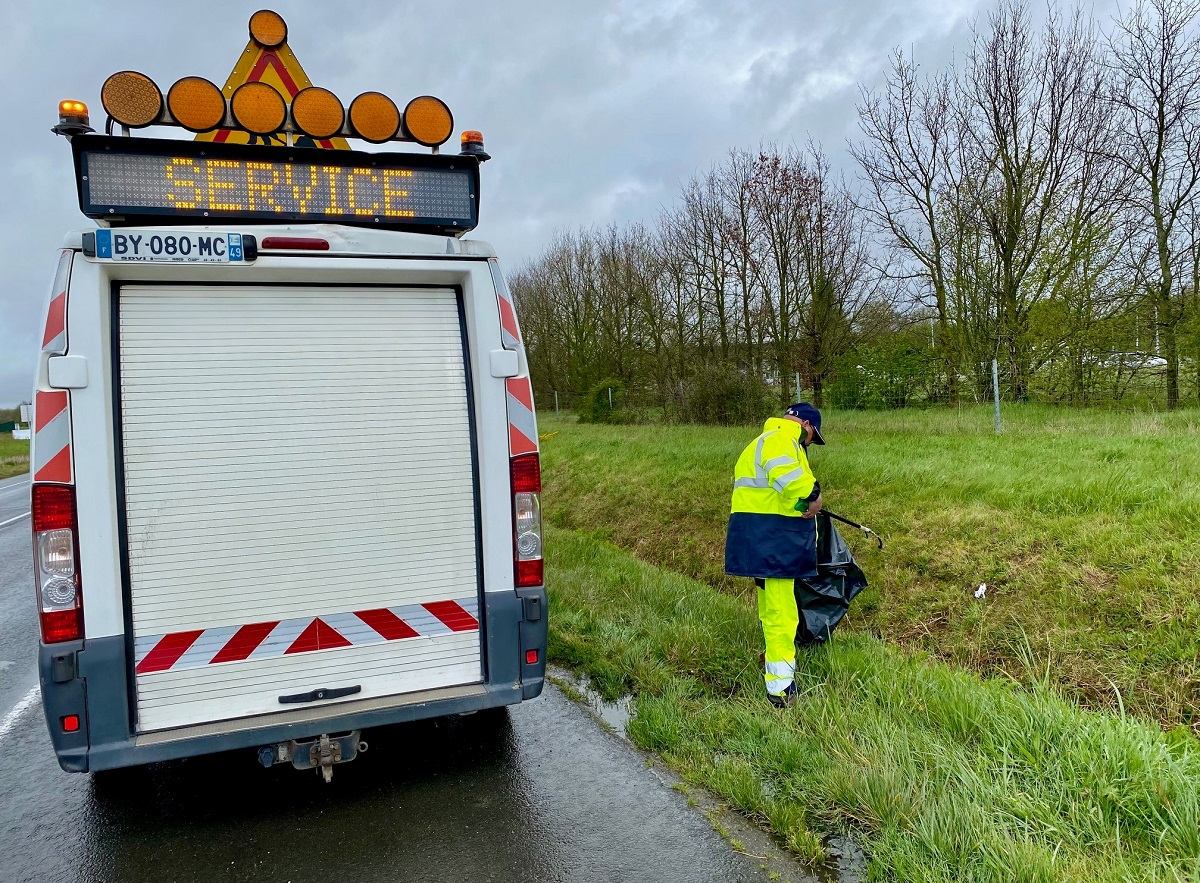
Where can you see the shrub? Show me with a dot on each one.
(597, 407)
(885, 376)
(725, 396)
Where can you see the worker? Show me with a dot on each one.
(772, 534)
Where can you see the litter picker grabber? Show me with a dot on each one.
(855, 524)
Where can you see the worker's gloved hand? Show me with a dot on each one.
(810, 509)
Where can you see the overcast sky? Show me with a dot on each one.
(594, 112)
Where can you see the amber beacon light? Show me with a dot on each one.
(72, 118)
(472, 145)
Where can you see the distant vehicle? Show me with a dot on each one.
(215, 568)
(1132, 361)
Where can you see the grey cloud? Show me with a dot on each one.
(595, 113)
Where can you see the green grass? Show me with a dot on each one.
(14, 455)
(1084, 525)
(940, 775)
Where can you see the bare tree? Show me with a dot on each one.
(780, 191)
(908, 159)
(741, 236)
(1156, 59)
(1030, 116)
(1192, 305)
(834, 257)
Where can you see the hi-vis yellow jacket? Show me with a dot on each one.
(767, 536)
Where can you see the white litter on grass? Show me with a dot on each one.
(981, 592)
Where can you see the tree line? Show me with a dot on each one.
(1037, 203)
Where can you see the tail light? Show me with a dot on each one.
(56, 562)
(527, 520)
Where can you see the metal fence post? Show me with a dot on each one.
(610, 398)
(556, 403)
(996, 391)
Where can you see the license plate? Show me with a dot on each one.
(169, 245)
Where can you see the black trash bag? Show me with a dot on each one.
(824, 600)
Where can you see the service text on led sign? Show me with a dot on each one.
(200, 186)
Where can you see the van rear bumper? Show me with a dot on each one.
(268, 730)
(104, 741)
(87, 679)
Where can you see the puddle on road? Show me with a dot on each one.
(847, 862)
(615, 715)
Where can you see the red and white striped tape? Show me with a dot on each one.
(52, 410)
(522, 424)
(265, 640)
(54, 340)
(52, 437)
(510, 332)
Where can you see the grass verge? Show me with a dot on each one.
(941, 775)
(14, 456)
(1084, 525)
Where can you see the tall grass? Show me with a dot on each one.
(942, 776)
(1085, 526)
(14, 455)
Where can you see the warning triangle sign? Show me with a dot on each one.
(273, 62)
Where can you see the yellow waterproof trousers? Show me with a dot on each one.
(780, 618)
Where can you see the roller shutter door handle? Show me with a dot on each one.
(319, 694)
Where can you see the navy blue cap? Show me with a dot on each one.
(805, 411)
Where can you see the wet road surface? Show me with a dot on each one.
(14, 499)
(18, 615)
(537, 792)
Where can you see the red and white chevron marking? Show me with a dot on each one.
(510, 332)
(264, 640)
(54, 340)
(522, 424)
(52, 437)
(52, 410)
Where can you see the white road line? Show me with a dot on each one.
(27, 702)
(14, 520)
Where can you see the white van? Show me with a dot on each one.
(285, 472)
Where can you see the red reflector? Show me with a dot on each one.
(526, 474)
(62, 625)
(531, 657)
(529, 573)
(300, 243)
(70, 723)
(53, 507)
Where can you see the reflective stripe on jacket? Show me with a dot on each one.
(767, 536)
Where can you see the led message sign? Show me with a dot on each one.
(119, 177)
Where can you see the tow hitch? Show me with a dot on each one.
(320, 753)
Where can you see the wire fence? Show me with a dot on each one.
(1121, 381)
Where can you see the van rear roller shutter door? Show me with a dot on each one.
(299, 497)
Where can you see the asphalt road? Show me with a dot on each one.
(18, 614)
(538, 792)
